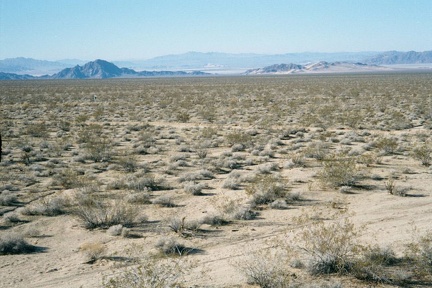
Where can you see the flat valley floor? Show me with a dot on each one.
(284, 181)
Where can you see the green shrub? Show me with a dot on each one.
(424, 154)
(339, 171)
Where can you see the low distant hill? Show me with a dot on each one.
(13, 76)
(23, 65)
(100, 69)
(396, 57)
(318, 67)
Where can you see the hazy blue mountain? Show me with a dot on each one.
(23, 65)
(396, 57)
(13, 76)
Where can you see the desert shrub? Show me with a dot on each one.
(383, 255)
(338, 171)
(164, 201)
(150, 272)
(95, 213)
(317, 150)
(99, 150)
(177, 225)
(238, 137)
(237, 147)
(201, 153)
(267, 168)
(144, 183)
(128, 163)
(371, 266)
(331, 246)
(197, 175)
(47, 207)
(11, 217)
(183, 116)
(232, 183)
(419, 252)
(69, 178)
(117, 230)
(297, 160)
(13, 243)
(208, 132)
(170, 247)
(267, 269)
(243, 212)
(386, 145)
(265, 189)
(194, 188)
(423, 153)
(93, 251)
(390, 186)
(37, 130)
(8, 198)
(215, 220)
(142, 197)
(279, 204)
(64, 125)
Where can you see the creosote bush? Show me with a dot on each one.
(424, 154)
(267, 188)
(331, 246)
(339, 171)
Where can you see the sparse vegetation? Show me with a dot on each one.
(254, 148)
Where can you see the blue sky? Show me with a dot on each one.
(142, 29)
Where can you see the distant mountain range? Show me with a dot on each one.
(395, 57)
(23, 65)
(215, 61)
(318, 67)
(100, 69)
(212, 62)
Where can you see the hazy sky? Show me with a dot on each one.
(141, 29)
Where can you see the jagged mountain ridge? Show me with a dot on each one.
(100, 69)
(318, 67)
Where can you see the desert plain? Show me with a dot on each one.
(257, 181)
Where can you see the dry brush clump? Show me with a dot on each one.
(265, 189)
(98, 213)
(13, 243)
